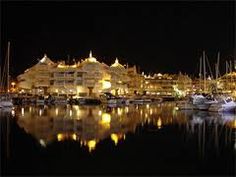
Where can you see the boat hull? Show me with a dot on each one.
(222, 108)
(6, 104)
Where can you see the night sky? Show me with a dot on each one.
(156, 36)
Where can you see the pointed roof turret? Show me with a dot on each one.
(45, 60)
(91, 58)
(117, 64)
(116, 61)
(90, 54)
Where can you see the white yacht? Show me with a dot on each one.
(6, 103)
(224, 104)
(202, 103)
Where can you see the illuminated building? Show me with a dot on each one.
(135, 86)
(119, 79)
(88, 77)
(36, 79)
(227, 84)
(167, 85)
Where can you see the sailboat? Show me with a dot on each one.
(5, 100)
(202, 101)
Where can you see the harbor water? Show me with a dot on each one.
(149, 139)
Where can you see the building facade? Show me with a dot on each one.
(88, 77)
(227, 84)
(167, 85)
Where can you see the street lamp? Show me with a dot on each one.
(13, 86)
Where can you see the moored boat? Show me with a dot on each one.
(223, 105)
(202, 102)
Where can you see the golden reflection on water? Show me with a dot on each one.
(90, 124)
(159, 123)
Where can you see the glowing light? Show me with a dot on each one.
(91, 145)
(13, 84)
(70, 113)
(61, 65)
(40, 112)
(159, 123)
(146, 115)
(59, 137)
(106, 118)
(56, 111)
(147, 106)
(99, 112)
(41, 141)
(115, 138)
(74, 136)
(234, 123)
(13, 113)
(151, 111)
(119, 111)
(106, 84)
(126, 109)
(22, 111)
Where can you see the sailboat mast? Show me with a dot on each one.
(204, 70)
(217, 70)
(200, 72)
(226, 67)
(217, 65)
(8, 56)
(200, 69)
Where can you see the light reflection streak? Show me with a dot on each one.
(91, 145)
(159, 123)
(40, 112)
(22, 111)
(70, 113)
(56, 111)
(97, 123)
(13, 113)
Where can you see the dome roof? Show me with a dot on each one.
(117, 64)
(91, 58)
(91, 63)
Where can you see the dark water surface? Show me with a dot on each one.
(133, 140)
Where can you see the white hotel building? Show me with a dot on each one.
(88, 77)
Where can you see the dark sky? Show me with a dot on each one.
(157, 36)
